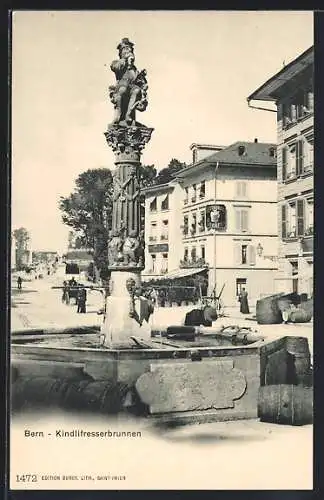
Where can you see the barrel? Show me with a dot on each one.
(267, 311)
(300, 316)
(285, 404)
(37, 391)
(96, 396)
(181, 332)
(298, 348)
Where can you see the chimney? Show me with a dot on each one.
(256, 140)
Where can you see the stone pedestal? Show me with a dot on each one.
(119, 326)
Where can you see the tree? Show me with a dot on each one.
(88, 210)
(22, 238)
(147, 175)
(167, 174)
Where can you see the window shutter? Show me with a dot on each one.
(237, 254)
(238, 220)
(251, 255)
(238, 189)
(243, 189)
(300, 217)
(283, 221)
(299, 157)
(245, 220)
(293, 112)
(284, 163)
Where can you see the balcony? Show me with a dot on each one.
(164, 237)
(193, 263)
(152, 238)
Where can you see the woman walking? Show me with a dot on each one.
(243, 299)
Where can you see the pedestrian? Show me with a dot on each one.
(65, 294)
(201, 317)
(19, 282)
(81, 300)
(243, 299)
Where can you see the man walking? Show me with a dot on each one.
(19, 282)
(81, 300)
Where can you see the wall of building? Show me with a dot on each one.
(158, 244)
(295, 252)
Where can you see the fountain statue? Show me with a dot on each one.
(127, 138)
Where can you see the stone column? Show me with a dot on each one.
(127, 138)
(126, 245)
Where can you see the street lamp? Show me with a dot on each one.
(259, 249)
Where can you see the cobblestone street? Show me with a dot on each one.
(244, 454)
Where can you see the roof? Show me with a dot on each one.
(155, 188)
(256, 154)
(78, 255)
(269, 90)
(205, 146)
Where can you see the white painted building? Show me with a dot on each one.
(162, 229)
(238, 241)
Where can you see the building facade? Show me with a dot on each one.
(221, 217)
(292, 91)
(162, 229)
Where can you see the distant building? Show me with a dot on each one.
(221, 217)
(292, 91)
(77, 260)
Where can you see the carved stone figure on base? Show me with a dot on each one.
(115, 249)
(130, 247)
(130, 91)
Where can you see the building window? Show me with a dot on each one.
(241, 150)
(185, 201)
(202, 252)
(153, 232)
(201, 222)
(185, 254)
(299, 106)
(164, 265)
(193, 254)
(309, 216)
(242, 219)
(272, 152)
(202, 191)
(165, 230)
(153, 263)
(185, 225)
(297, 218)
(243, 254)
(241, 189)
(193, 228)
(299, 157)
(240, 283)
(153, 205)
(194, 193)
(165, 203)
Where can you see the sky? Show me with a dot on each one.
(201, 66)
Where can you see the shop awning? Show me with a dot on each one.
(182, 273)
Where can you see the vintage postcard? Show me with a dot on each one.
(162, 250)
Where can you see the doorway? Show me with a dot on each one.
(240, 283)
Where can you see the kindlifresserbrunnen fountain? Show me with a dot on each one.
(123, 367)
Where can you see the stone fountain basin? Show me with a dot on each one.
(217, 381)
